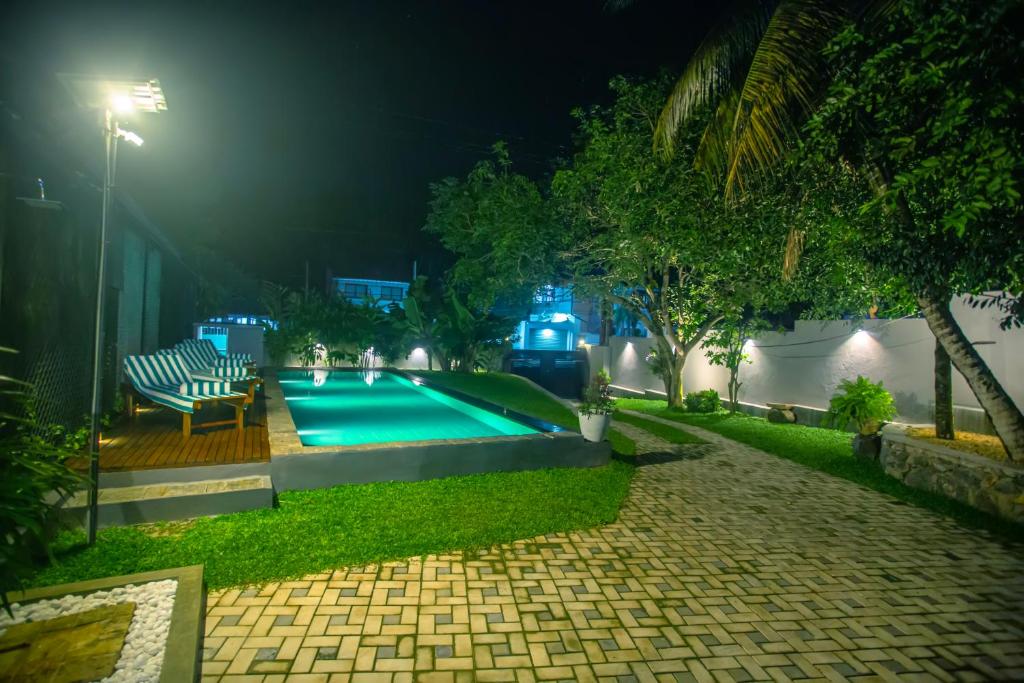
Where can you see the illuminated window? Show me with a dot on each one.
(390, 293)
(355, 291)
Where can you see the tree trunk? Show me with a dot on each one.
(606, 322)
(943, 393)
(734, 388)
(1006, 417)
(673, 380)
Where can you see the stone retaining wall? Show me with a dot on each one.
(978, 481)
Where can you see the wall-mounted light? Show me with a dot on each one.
(749, 346)
(547, 333)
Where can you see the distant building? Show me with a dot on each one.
(382, 292)
(557, 321)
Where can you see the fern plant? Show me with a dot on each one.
(862, 402)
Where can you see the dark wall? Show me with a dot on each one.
(48, 258)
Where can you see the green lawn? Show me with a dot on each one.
(829, 451)
(312, 531)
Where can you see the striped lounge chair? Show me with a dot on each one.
(201, 371)
(208, 352)
(166, 381)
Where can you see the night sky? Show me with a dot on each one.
(310, 131)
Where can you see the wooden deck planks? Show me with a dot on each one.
(153, 440)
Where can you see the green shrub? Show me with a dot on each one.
(862, 402)
(31, 468)
(706, 401)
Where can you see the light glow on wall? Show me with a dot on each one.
(547, 333)
(861, 336)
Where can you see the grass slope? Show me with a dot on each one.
(516, 393)
(312, 531)
(670, 434)
(829, 451)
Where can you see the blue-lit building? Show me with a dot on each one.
(382, 292)
(557, 321)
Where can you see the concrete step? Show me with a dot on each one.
(163, 502)
(169, 475)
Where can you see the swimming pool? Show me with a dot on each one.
(349, 408)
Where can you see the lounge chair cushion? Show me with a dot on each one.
(166, 381)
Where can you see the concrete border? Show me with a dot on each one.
(183, 651)
(294, 466)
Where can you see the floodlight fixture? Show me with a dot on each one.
(122, 96)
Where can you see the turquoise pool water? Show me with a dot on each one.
(346, 408)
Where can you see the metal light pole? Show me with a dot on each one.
(123, 97)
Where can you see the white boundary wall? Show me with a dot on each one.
(818, 354)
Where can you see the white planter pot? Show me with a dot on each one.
(594, 427)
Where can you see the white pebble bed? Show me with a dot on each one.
(143, 652)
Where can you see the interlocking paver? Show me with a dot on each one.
(726, 564)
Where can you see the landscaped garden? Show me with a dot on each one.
(312, 531)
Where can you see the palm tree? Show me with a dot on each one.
(761, 72)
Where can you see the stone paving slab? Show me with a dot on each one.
(727, 564)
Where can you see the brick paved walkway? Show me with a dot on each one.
(727, 564)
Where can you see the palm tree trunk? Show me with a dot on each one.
(943, 393)
(1006, 417)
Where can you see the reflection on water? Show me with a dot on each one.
(319, 377)
(370, 376)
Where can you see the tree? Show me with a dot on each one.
(726, 346)
(928, 112)
(466, 335)
(652, 236)
(423, 307)
(500, 227)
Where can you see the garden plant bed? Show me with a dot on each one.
(985, 445)
(139, 628)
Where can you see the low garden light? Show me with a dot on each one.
(113, 98)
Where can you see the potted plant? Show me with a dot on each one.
(868, 406)
(596, 408)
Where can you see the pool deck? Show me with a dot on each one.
(152, 440)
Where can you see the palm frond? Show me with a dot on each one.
(783, 82)
(794, 250)
(717, 66)
(712, 152)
